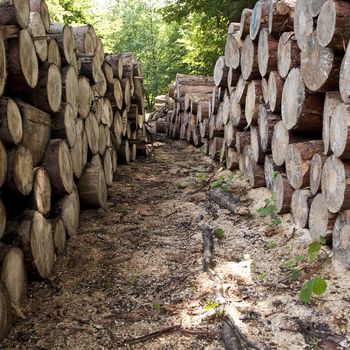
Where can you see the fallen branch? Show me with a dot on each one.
(225, 200)
(208, 247)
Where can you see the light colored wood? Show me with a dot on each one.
(315, 7)
(253, 100)
(259, 18)
(249, 59)
(231, 158)
(11, 128)
(76, 152)
(270, 171)
(316, 165)
(265, 92)
(230, 134)
(254, 173)
(341, 239)
(288, 54)
(36, 28)
(232, 51)
(221, 72)
(40, 6)
(282, 193)
(241, 90)
(258, 154)
(266, 124)
(300, 204)
(244, 26)
(242, 140)
(41, 196)
(267, 52)
(84, 97)
(275, 88)
(344, 80)
(53, 53)
(303, 22)
(59, 235)
(281, 13)
(70, 87)
(15, 12)
(92, 132)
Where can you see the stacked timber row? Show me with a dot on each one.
(68, 113)
(280, 110)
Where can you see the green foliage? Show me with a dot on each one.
(70, 11)
(271, 244)
(262, 276)
(270, 210)
(315, 285)
(275, 173)
(210, 306)
(156, 307)
(222, 182)
(219, 233)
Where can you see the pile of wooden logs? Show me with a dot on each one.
(280, 110)
(68, 113)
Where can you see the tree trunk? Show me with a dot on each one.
(344, 80)
(282, 193)
(281, 13)
(316, 165)
(300, 109)
(53, 53)
(270, 171)
(257, 153)
(37, 29)
(253, 100)
(300, 204)
(267, 52)
(333, 25)
(288, 54)
(259, 18)
(124, 152)
(59, 235)
(92, 132)
(244, 26)
(41, 196)
(275, 88)
(15, 12)
(232, 51)
(242, 140)
(232, 159)
(253, 172)
(341, 239)
(3, 164)
(319, 66)
(11, 128)
(335, 184)
(58, 164)
(298, 159)
(249, 60)
(5, 312)
(70, 87)
(266, 124)
(41, 7)
(303, 22)
(241, 90)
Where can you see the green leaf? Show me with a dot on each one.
(262, 276)
(313, 249)
(319, 285)
(264, 212)
(295, 276)
(219, 233)
(275, 173)
(277, 221)
(306, 291)
(323, 240)
(210, 306)
(156, 307)
(300, 258)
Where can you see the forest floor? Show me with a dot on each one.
(133, 277)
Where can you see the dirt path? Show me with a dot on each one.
(136, 268)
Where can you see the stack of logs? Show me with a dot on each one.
(68, 113)
(279, 110)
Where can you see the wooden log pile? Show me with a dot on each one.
(68, 114)
(280, 111)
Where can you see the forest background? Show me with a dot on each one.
(167, 36)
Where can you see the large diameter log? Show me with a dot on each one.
(259, 18)
(70, 87)
(300, 109)
(41, 200)
(92, 187)
(53, 53)
(84, 97)
(249, 59)
(92, 132)
(116, 62)
(3, 65)
(90, 67)
(332, 100)
(84, 40)
(37, 29)
(257, 153)
(14, 276)
(270, 171)
(303, 22)
(58, 164)
(321, 221)
(282, 193)
(5, 312)
(40, 6)
(288, 54)
(244, 26)
(252, 102)
(267, 52)
(221, 72)
(65, 40)
(316, 165)
(11, 130)
(341, 239)
(335, 184)
(3, 164)
(47, 94)
(298, 159)
(253, 172)
(232, 51)
(20, 170)
(242, 140)
(266, 124)
(36, 130)
(319, 66)
(241, 90)
(300, 204)
(333, 24)
(344, 80)
(23, 69)
(281, 13)
(275, 88)
(339, 131)
(15, 12)
(232, 159)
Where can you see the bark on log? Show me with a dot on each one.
(316, 165)
(341, 239)
(281, 13)
(41, 196)
(282, 193)
(116, 62)
(244, 26)
(253, 100)
(198, 83)
(53, 53)
(15, 12)
(41, 7)
(335, 184)
(5, 312)
(241, 90)
(59, 235)
(242, 140)
(3, 65)
(90, 67)
(259, 18)
(344, 80)
(275, 88)
(225, 200)
(85, 39)
(232, 79)
(92, 132)
(267, 52)
(254, 173)
(303, 22)
(300, 204)
(3, 164)
(321, 221)
(266, 124)
(65, 40)
(232, 159)
(215, 148)
(221, 72)
(58, 164)
(249, 59)
(257, 153)
(319, 66)
(11, 129)
(288, 54)
(300, 109)
(37, 29)
(333, 24)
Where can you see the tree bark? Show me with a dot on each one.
(15, 12)
(258, 154)
(282, 193)
(341, 239)
(37, 29)
(281, 13)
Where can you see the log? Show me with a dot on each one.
(297, 161)
(275, 88)
(232, 79)
(70, 87)
(203, 110)
(41, 7)
(36, 29)
(249, 60)
(253, 100)
(117, 94)
(84, 39)
(53, 53)
(230, 134)
(281, 13)
(190, 83)
(288, 54)
(258, 154)
(5, 312)
(215, 148)
(65, 40)
(102, 141)
(3, 65)
(300, 204)
(3, 164)
(344, 80)
(267, 52)
(84, 97)
(224, 199)
(242, 140)
(266, 124)
(108, 71)
(124, 152)
(265, 90)
(232, 159)
(23, 69)
(232, 51)
(11, 129)
(237, 115)
(76, 152)
(282, 193)
(218, 95)
(108, 165)
(341, 239)
(244, 26)
(15, 12)
(316, 165)
(59, 235)
(254, 173)
(58, 164)
(221, 72)
(335, 184)
(225, 110)
(315, 7)
(270, 171)
(241, 90)
(125, 83)
(339, 131)
(92, 132)
(321, 221)
(333, 25)
(303, 22)
(90, 67)
(20, 170)
(100, 88)
(92, 187)
(99, 51)
(319, 66)
(331, 101)
(116, 62)
(41, 196)
(14, 276)
(259, 18)
(300, 109)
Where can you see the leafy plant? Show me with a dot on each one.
(271, 244)
(222, 182)
(210, 306)
(219, 233)
(270, 210)
(275, 173)
(316, 285)
(262, 276)
(156, 307)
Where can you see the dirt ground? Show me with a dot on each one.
(136, 268)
